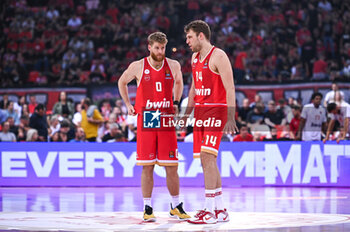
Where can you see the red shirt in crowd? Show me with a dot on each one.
(239, 60)
(294, 125)
(301, 36)
(320, 66)
(239, 138)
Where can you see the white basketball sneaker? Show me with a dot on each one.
(222, 215)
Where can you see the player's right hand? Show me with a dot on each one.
(131, 110)
(184, 119)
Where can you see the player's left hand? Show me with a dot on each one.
(231, 127)
(176, 109)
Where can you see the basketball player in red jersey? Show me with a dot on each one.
(212, 95)
(157, 79)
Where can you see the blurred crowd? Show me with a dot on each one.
(79, 42)
(324, 118)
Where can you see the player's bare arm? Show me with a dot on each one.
(221, 64)
(178, 85)
(329, 130)
(344, 131)
(131, 73)
(301, 127)
(191, 94)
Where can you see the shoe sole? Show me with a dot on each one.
(224, 221)
(177, 217)
(150, 220)
(201, 222)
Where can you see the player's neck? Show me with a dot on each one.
(155, 64)
(205, 50)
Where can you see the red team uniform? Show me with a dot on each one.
(210, 105)
(155, 91)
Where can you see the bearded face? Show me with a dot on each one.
(157, 57)
(157, 51)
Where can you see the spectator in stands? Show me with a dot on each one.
(63, 107)
(32, 135)
(106, 109)
(38, 122)
(244, 135)
(286, 109)
(320, 69)
(18, 106)
(23, 128)
(74, 23)
(79, 135)
(257, 99)
(256, 116)
(54, 125)
(10, 111)
(77, 115)
(331, 94)
(243, 111)
(25, 111)
(313, 120)
(3, 116)
(274, 117)
(13, 127)
(294, 124)
(32, 103)
(91, 118)
(131, 121)
(52, 13)
(5, 134)
(4, 102)
(119, 102)
(114, 133)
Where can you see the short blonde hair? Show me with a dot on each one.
(158, 36)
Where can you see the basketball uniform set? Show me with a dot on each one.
(157, 145)
(210, 107)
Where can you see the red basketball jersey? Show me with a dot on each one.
(209, 88)
(155, 89)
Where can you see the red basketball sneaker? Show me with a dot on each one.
(203, 217)
(222, 215)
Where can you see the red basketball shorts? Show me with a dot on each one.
(208, 129)
(156, 145)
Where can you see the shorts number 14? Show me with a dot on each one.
(210, 139)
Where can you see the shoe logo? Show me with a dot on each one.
(207, 218)
(225, 217)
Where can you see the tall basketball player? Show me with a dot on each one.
(212, 95)
(157, 79)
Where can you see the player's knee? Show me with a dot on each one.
(171, 170)
(207, 159)
(148, 169)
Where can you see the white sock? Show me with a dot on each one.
(175, 201)
(210, 199)
(218, 199)
(147, 201)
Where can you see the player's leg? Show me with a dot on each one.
(172, 180)
(220, 211)
(146, 150)
(168, 157)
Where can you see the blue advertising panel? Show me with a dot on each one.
(114, 164)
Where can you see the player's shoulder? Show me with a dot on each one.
(136, 64)
(173, 62)
(194, 55)
(309, 105)
(219, 52)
